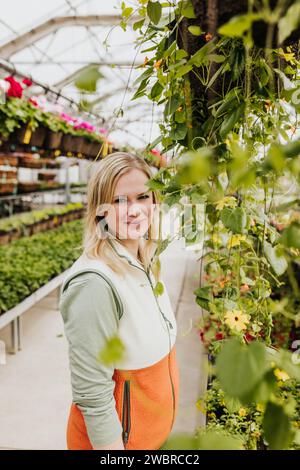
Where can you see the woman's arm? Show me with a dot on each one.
(89, 310)
(117, 445)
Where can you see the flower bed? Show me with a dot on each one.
(31, 262)
(33, 222)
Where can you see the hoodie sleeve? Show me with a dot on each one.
(89, 309)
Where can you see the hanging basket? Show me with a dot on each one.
(25, 136)
(53, 139)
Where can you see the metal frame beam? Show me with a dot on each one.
(52, 25)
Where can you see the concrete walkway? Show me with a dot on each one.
(35, 393)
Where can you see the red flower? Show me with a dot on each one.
(248, 337)
(33, 101)
(27, 82)
(15, 90)
(219, 336)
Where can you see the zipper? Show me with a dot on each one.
(149, 278)
(166, 320)
(126, 411)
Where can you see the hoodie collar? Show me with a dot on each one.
(125, 253)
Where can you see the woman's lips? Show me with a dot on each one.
(135, 222)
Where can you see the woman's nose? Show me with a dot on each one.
(133, 209)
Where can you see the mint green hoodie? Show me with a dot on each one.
(90, 308)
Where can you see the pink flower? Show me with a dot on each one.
(102, 130)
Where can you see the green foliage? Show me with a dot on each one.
(29, 263)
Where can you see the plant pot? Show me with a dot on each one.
(44, 225)
(51, 163)
(77, 143)
(28, 187)
(6, 175)
(51, 222)
(53, 139)
(38, 136)
(95, 148)
(30, 162)
(7, 188)
(46, 176)
(73, 143)
(66, 143)
(15, 234)
(35, 228)
(4, 237)
(86, 146)
(8, 160)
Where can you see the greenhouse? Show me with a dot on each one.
(149, 226)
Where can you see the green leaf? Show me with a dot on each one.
(203, 296)
(88, 78)
(277, 261)
(234, 219)
(288, 23)
(138, 24)
(184, 69)
(141, 89)
(239, 367)
(113, 350)
(187, 9)
(238, 25)
(146, 74)
(200, 56)
(231, 119)
(291, 236)
(195, 30)
(173, 104)
(178, 132)
(277, 427)
(154, 10)
(159, 288)
(156, 90)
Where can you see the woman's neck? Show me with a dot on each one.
(132, 246)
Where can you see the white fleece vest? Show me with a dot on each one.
(147, 326)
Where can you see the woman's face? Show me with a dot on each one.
(132, 209)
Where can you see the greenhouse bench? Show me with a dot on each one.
(13, 316)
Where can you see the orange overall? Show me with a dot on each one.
(146, 403)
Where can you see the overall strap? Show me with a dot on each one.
(101, 274)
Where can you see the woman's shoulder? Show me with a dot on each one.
(86, 288)
(87, 282)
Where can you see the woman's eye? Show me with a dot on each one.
(121, 200)
(145, 196)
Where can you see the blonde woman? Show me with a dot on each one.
(109, 292)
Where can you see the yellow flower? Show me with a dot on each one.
(281, 375)
(260, 407)
(242, 412)
(235, 240)
(227, 201)
(236, 320)
(200, 406)
(216, 239)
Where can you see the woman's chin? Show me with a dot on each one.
(133, 233)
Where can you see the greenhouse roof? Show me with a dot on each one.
(53, 42)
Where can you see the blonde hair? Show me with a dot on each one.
(100, 191)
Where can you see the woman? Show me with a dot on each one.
(110, 292)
